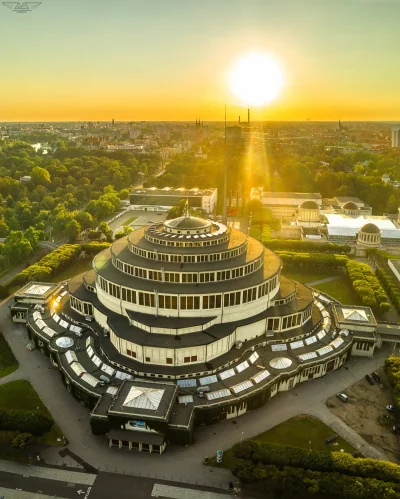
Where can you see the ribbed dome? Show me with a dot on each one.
(280, 362)
(186, 222)
(309, 205)
(350, 206)
(370, 229)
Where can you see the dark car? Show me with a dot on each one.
(369, 379)
(376, 376)
(391, 408)
(331, 439)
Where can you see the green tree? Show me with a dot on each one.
(40, 176)
(16, 248)
(105, 229)
(73, 228)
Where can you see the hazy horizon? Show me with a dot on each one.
(153, 60)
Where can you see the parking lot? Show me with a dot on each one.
(365, 412)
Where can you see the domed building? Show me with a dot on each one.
(369, 236)
(308, 215)
(350, 209)
(183, 323)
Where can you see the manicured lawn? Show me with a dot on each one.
(21, 395)
(295, 432)
(309, 275)
(129, 221)
(341, 290)
(8, 363)
(74, 269)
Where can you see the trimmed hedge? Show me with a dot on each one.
(390, 286)
(290, 482)
(307, 247)
(25, 421)
(313, 260)
(392, 366)
(341, 462)
(365, 284)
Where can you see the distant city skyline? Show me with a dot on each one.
(169, 60)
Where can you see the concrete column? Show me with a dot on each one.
(130, 445)
(140, 447)
(150, 448)
(120, 444)
(110, 442)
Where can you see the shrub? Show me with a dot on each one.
(25, 421)
(21, 440)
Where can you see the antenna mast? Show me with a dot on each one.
(224, 213)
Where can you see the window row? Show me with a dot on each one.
(187, 244)
(186, 277)
(209, 257)
(195, 302)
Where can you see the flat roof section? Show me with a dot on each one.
(294, 195)
(37, 290)
(150, 399)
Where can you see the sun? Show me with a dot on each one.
(256, 79)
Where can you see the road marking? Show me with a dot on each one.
(160, 490)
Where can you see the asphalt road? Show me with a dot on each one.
(106, 486)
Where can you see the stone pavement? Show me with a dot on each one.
(19, 373)
(180, 463)
(48, 473)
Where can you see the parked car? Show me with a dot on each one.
(395, 428)
(151, 222)
(331, 439)
(376, 376)
(342, 396)
(369, 379)
(391, 408)
(159, 213)
(89, 318)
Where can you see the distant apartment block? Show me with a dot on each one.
(395, 137)
(154, 199)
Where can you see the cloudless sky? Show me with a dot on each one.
(170, 59)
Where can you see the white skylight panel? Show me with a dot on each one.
(90, 351)
(96, 361)
(208, 380)
(253, 357)
(240, 387)
(77, 368)
(324, 350)
(257, 378)
(90, 380)
(310, 340)
(49, 332)
(185, 399)
(71, 356)
(108, 369)
(218, 394)
(186, 383)
(296, 344)
(226, 374)
(321, 334)
(241, 367)
(280, 347)
(337, 342)
(307, 356)
(56, 318)
(112, 390)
